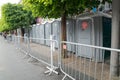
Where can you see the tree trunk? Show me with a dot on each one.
(22, 32)
(114, 62)
(63, 35)
(28, 34)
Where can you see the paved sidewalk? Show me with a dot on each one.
(14, 67)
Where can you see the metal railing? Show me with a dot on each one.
(21, 43)
(86, 62)
(42, 51)
(37, 49)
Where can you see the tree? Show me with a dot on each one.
(114, 65)
(15, 16)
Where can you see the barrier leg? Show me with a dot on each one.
(51, 68)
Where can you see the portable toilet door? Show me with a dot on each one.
(33, 30)
(42, 34)
(37, 34)
(70, 24)
(84, 36)
(47, 33)
(56, 31)
(106, 35)
(102, 37)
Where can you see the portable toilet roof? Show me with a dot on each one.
(90, 15)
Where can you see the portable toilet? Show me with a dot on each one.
(56, 25)
(84, 36)
(70, 32)
(47, 33)
(37, 33)
(34, 33)
(42, 33)
(95, 30)
(31, 32)
(102, 36)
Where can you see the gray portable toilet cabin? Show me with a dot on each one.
(70, 27)
(103, 35)
(97, 32)
(42, 33)
(34, 33)
(56, 28)
(31, 31)
(48, 31)
(84, 36)
(26, 33)
(37, 28)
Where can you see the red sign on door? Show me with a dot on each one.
(84, 25)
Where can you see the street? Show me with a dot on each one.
(13, 65)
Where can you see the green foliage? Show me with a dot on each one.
(56, 8)
(14, 16)
(3, 26)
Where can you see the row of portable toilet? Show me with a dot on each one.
(41, 33)
(89, 31)
(74, 34)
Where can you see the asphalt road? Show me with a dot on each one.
(14, 67)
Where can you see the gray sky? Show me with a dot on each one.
(6, 1)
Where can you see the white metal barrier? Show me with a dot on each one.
(21, 43)
(87, 62)
(48, 55)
